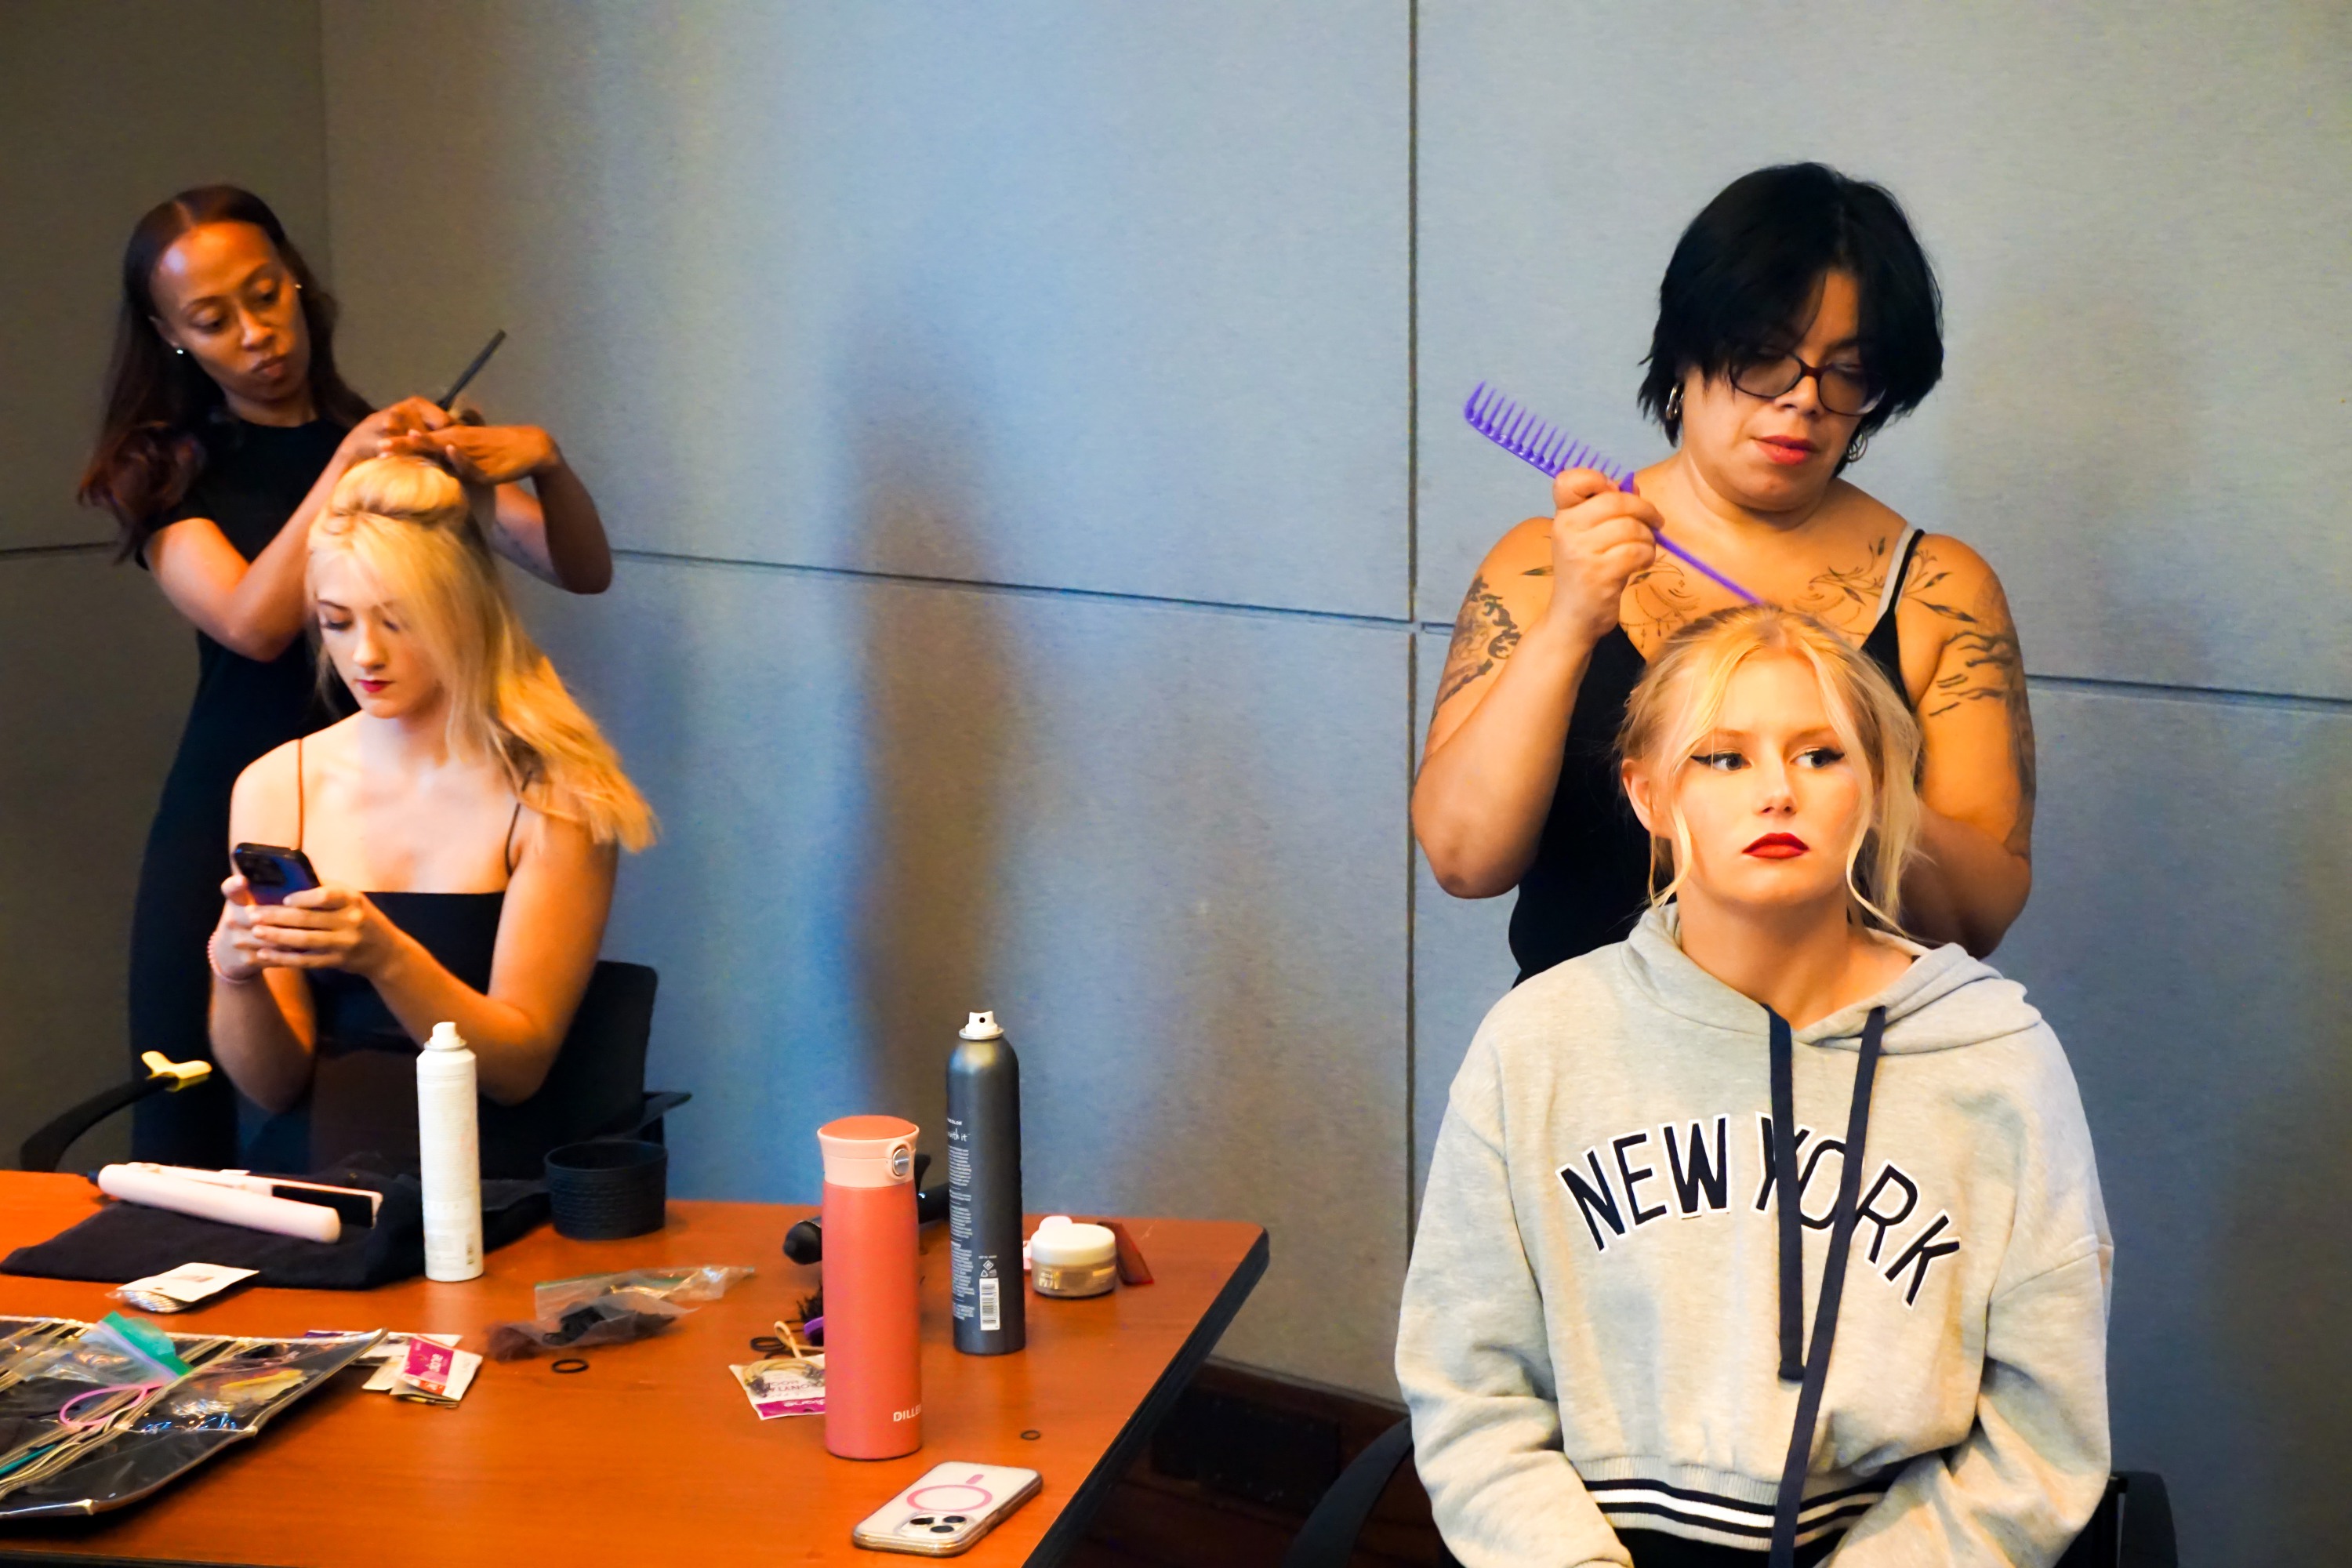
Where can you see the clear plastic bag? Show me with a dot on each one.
(553, 1297)
(610, 1309)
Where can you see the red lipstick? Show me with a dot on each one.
(1787, 450)
(1777, 847)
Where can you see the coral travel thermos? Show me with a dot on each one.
(985, 1191)
(873, 1360)
(449, 1156)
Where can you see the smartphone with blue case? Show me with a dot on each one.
(272, 871)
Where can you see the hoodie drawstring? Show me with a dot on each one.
(1815, 1367)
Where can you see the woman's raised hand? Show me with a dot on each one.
(1600, 536)
(384, 430)
(483, 454)
(326, 926)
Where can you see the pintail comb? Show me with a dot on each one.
(1547, 447)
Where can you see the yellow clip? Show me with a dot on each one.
(182, 1074)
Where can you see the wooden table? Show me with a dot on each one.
(653, 1454)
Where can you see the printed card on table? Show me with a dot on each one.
(784, 1385)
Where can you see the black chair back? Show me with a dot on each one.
(598, 1085)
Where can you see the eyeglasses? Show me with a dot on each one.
(1844, 389)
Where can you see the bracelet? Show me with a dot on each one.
(213, 958)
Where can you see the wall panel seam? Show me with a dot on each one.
(1411, 963)
(27, 551)
(1412, 592)
(1024, 589)
(1413, 310)
(2153, 691)
(2223, 696)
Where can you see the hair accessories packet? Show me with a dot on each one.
(610, 1309)
(180, 1289)
(685, 1287)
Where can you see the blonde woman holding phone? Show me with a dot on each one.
(465, 824)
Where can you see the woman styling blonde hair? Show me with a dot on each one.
(478, 806)
(1765, 1056)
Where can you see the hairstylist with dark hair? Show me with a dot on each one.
(227, 427)
(1798, 315)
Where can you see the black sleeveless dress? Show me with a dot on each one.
(254, 476)
(1590, 878)
(363, 1096)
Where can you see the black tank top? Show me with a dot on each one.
(1590, 878)
(254, 476)
(362, 1094)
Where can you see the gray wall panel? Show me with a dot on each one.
(885, 803)
(1461, 958)
(1128, 283)
(2191, 909)
(108, 110)
(95, 674)
(2138, 216)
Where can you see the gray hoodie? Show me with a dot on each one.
(1590, 1334)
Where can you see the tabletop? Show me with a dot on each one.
(653, 1449)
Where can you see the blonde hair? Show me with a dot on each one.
(409, 525)
(1681, 698)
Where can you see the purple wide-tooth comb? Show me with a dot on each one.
(1549, 448)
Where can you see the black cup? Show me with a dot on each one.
(606, 1189)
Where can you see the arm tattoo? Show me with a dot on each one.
(1484, 637)
(1991, 669)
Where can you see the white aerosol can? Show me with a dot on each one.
(449, 1153)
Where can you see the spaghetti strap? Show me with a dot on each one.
(510, 831)
(300, 824)
(1894, 589)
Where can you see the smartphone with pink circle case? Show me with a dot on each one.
(952, 1506)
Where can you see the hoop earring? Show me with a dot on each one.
(1856, 448)
(1674, 405)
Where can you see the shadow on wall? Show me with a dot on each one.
(941, 722)
(2286, 1266)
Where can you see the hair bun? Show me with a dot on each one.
(402, 489)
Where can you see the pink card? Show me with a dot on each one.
(428, 1366)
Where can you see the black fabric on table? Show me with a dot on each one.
(130, 1241)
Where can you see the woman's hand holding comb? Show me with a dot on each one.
(483, 454)
(1600, 537)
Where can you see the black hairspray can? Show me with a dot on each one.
(985, 1191)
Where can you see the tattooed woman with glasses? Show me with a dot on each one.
(1798, 315)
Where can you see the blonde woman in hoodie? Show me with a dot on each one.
(1767, 1235)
